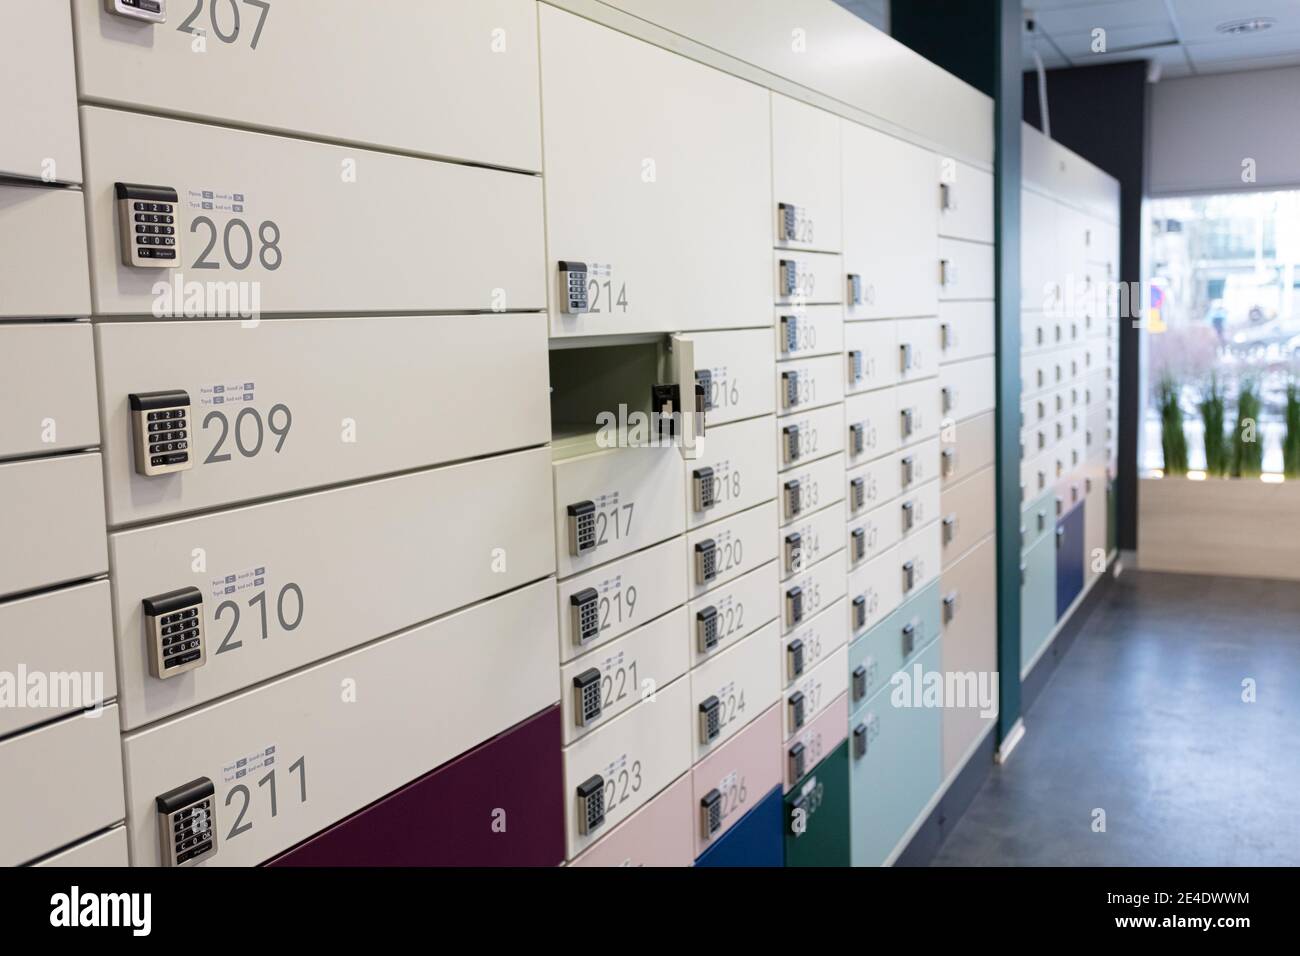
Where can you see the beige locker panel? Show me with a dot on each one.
(921, 551)
(873, 533)
(43, 247)
(47, 388)
(918, 349)
(292, 581)
(969, 647)
(637, 494)
(661, 833)
(291, 404)
(630, 592)
(818, 738)
(107, 849)
(819, 534)
(738, 363)
(732, 688)
(51, 521)
(966, 330)
(965, 270)
(920, 411)
(819, 484)
(806, 436)
(740, 773)
(883, 583)
(887, 477)
(968, 388)
(1041, 272)
(970, 447)
(966, 204)
(739, 457)
(809, 383)
(872, 356)
(66, 634)
(742, 607)
(669, 202)
(63, 782)
(629, 670)
(332, 738)
(38, 94)
(890, 224)
(455, 78)
(819, 638)
(308, 227)
(1037, 474)
(806, 278)
(968, 514)
(809, 330)
(1094, 523)
(872, 424)
(805, 176)
(635, 756)
(818, 587)
(739, 544)
(814, 692)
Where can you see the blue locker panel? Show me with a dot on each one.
(754, 841)
(1069, 559)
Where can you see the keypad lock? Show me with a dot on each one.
(710, 716)
(187, 831)
(859, 682)
(794, 659)
(857, 439)
(859, 612)
(586, 697)
(789, 333)
(905, 357)
(854, 289)
(947, 197)
(704, 383)
(584, 613)
(949, 529)
(582, 527)
(906, 422)
(792, 496)
(909, 516)
(788, 216)
(573, 288)
(793, 550)
(909, 639)
(790, 443)
(855, 366)
(174, 628)
(949, 396)
(949, 459)
(591, 804)
(706, 561)
(908, 466)
(793, 606)
(909, 575)
(795, 708)
(857, 494)
(789, 277)
(160, 432)
(946, 339)
(860, 741)
(146, 222)
(706, 629)
(150, 11)
(947, 273)
(704, 489)
(794, 761)
(789, 389)
(858, 544)
(711, 813)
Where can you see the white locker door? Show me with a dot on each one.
(805, 176)
(38, 94)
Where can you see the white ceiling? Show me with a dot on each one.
(1180, 35)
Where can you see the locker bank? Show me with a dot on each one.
(596, 424)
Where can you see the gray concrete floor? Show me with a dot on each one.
(1144, 719)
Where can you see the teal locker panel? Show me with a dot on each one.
(896, 765)
(823, 796)
(1037, 596)
(877, 654)
(1038, 518)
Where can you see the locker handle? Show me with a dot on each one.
(949, 397)
(950, 528)
(949, 456)
(950, 607)
(946, 338)
(905, 357)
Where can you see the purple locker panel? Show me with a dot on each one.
(500, 804)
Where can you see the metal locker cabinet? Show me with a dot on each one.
(742, 607)
(47, 388)
(106, 849)
(735, 777)
(500, 804)
(1037, 595)
(1069, 558)
(38, 95)
(967, 212)
(51, 521)
(670, 200)
(659, 834)
(892, 644)
(43, 247)
(755, 840)
(301, 403)
(891, 218)
(335, 737)
(453, 78)
(968, 611)
(805, 176)
(820, 804)
(271, 231)
(899, 768)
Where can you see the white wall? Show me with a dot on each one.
(1203, 127)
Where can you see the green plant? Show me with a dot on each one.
(1247, 447)
(1217, 450)
(1173, 440)
(1291, 443)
